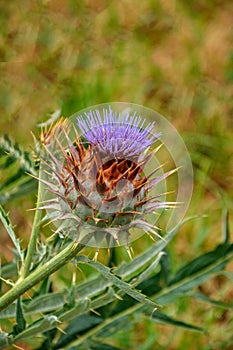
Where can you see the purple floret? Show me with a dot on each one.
(120, 135)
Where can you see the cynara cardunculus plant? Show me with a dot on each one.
(97, 178)
(100, 181)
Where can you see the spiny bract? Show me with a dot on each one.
(96, 180)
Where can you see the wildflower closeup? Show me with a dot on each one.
(94, 173)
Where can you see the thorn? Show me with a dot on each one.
(153, 311)
(95, 312)
(32, 209)
(17, 347)
(118, 296)
(53, 119)
(117, 241)
(61, 330)
(88, 255)
(29, 296)
(152, 231)
(151, 237)
(129, 253)
(155, 170)
(51, 237)
(74, 278)
(81, 271)
(131, 249)
(150, 198)
(96, 255)
(9, 282)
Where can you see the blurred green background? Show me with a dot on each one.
(175, 57)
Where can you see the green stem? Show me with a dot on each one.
(34, 235)
(41, 272)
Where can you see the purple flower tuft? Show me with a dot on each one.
(121, 135)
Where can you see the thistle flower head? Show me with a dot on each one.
(97, 181)
(120, 135)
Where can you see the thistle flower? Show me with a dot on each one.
(96, 180)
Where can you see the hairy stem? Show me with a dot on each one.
(41, 272)
(33, 238)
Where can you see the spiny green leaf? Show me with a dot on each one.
(17, 183)
(82, 306)
(113, 325)
(105, 329)
(98, 285)
(45, 303)
(78, 326)
(71, 297)
(160, 317)
(167, 295)
(201, 262)
(7, 224)
(41, 304)
(20, 321)
(140, 262)
(40, 326)
(104, 299)
(145, 274)
(14, 150)
(191, 275)
(115, 280)
(52, 321)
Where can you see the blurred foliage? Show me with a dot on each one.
(172, 56)
(111, 300)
